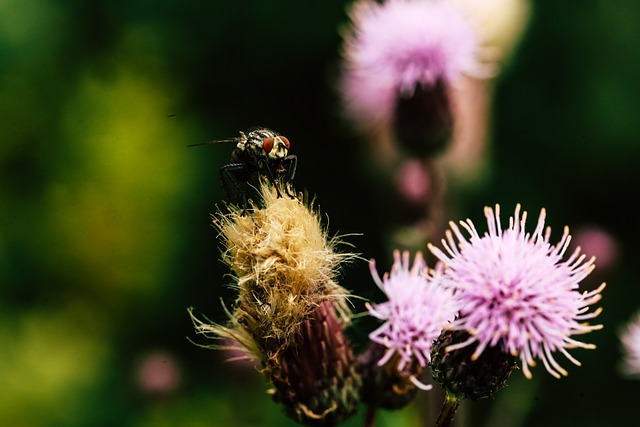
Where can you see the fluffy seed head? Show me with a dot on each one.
(283, 266)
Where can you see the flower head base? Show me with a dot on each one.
(316, 380)
(417, 309)
(467, 377)
(630, 339)
(518, 291)
(397, 46)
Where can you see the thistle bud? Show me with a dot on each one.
(462, 375)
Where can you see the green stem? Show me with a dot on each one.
(370, 416)
(448, 410)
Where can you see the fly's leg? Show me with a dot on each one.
(272, 177)
(290, 164)
(233, 175)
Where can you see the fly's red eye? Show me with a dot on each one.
(267, 144)
(286, 142)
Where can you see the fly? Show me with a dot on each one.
(260, 152)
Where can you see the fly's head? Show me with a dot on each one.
(265, 143)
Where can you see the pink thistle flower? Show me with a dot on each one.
(159, 373)
(630, 339)
(398, 45)
(517, 291)
(417, 309)
(600, 243)
(413, 181)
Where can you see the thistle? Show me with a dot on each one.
(518, 292)
(289, 313)
(417, 309)
(400, 56)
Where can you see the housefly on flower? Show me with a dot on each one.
(259, 153)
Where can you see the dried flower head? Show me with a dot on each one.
(518, 291)
(284, 266)
(630, 339)
(289, 310)
(417, 309)
(398, 46)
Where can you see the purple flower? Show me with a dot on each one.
(630, 338)
(417, 309)
(395, 46)
(600, 243)
(517, 290)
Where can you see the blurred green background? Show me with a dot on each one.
(105, 236)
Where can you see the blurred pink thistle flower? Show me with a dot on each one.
(159, 373)
(600, 243)
(630, 339)
(413, 181)
(417, 309)
(398, 45)
(516, 290)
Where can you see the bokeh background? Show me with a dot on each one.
(105, 236)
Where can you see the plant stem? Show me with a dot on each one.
(370, 416)
(448, 410)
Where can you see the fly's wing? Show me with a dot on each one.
(236, 140)
(218, 141)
